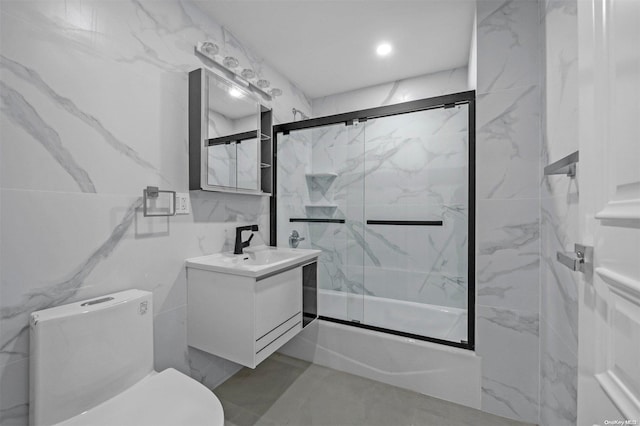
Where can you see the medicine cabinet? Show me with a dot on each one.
(230, 147)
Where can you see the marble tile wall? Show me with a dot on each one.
(508, 145)
(410, 89)
(559, 218)
(94, 108)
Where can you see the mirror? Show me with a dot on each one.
(233, 120)
(230, 146)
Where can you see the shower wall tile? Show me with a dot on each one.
(508, 254)
(93, 109)
(508, 144)
(410, 89)
(429, 288)
(508, 50)
(508, 345)
(558, 379)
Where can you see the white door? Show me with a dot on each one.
(609, 177)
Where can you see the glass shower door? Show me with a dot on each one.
(387, 202)
(320, 192)
(416, 223)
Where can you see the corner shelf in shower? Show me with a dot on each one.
(320, 181)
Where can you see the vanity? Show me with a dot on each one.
(245, 307)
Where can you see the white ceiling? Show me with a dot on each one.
(328, 47)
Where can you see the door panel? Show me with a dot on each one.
(609, 309)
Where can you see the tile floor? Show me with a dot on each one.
(288, 391)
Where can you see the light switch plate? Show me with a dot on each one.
(183, 203)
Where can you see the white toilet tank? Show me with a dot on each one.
(87, 352)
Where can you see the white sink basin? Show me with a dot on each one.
(255, 262)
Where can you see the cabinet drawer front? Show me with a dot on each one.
(293, 322)
(278, 298)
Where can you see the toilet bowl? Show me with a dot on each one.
(92, 364)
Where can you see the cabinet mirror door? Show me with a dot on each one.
(233, 120)
(247, 164)
(222, 165)
(229, 136)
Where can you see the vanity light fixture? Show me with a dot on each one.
(230, 62)
(248, 73)
(383, 49)
(210, 49)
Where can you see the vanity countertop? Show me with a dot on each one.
(255, 262)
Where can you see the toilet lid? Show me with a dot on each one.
(168, 398)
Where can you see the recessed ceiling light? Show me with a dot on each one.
(383, 49)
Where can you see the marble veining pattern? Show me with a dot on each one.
(21, 113)
(559, 214)
(508, 132)
(15, 317)
(508, 54)
(509, 349)
(94, 108)
(421, 87)
(558, 380)
(508, 254)
(33, 78)
(508, 261)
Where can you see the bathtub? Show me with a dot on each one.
(441, 371)
(416, 318)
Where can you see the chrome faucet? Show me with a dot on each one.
(239, 245)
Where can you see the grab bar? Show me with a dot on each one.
(406, 222)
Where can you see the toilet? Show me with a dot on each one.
(92, 364)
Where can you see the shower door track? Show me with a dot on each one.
(445, 101)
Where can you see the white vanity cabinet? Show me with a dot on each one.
(240, 318)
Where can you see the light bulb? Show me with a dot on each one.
(383, 49)
(235, 92)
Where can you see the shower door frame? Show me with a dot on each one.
(446, 101)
